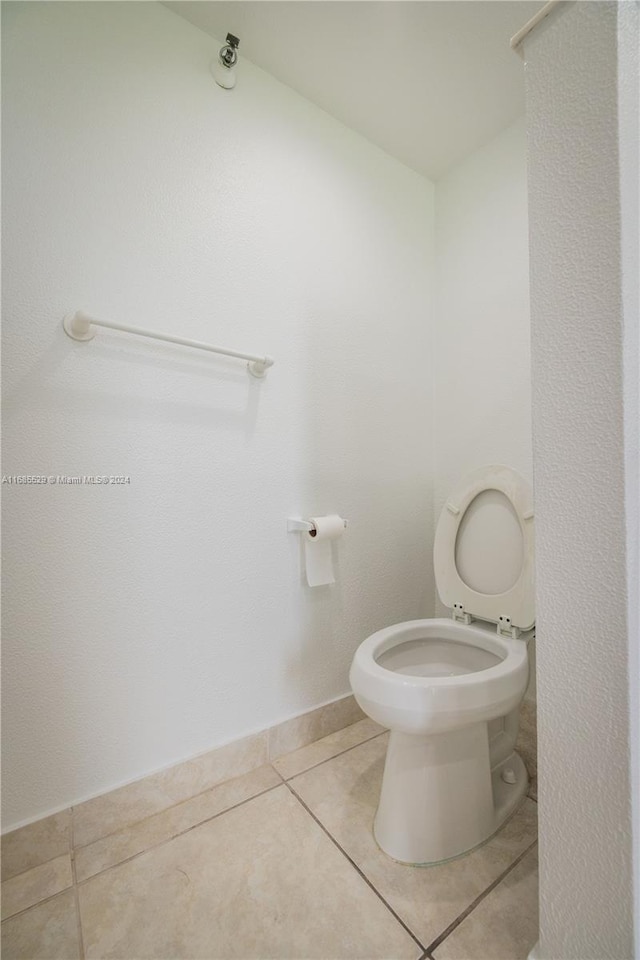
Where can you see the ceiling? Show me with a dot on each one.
(428, 81)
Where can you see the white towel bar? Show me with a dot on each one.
(79, 326)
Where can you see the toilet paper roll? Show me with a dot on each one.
(317, 549)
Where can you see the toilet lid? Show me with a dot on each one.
(483, 549)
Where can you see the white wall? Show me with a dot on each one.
(146, 623)
(581, 327)
(482, 372)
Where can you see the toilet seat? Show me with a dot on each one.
(512, 608)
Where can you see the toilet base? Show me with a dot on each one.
(439, 797)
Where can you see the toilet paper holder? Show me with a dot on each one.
(298, 525)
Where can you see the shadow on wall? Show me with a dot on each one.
(57, 375)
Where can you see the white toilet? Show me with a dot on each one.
(449, 690)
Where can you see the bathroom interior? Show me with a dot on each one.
(234, 576)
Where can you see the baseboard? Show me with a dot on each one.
(162, 788)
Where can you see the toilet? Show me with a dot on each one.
(449, 689)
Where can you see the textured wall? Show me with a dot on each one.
(146, 623)
(629, 138)
(482, 376)
(577, 353)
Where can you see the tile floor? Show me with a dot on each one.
(277, 863)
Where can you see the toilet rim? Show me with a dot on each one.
(513, 652)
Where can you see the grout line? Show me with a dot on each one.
(156, 813)
(485, 893)
(207, 820)
(51, 896)
(354, 865)
(74, 878)
(135, 823)
(314, 766)
(267, 762)
(284, 782)
(38, 904)
(180, 833)
(76, 883)
(36, 866)
(153, 846)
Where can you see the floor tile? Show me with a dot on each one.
(300, 760)
(301, 731)
(34, 885)
(35, 844)
(262, 880)
(504, 926)
(343, 794)
(46, 932)
(139, 837)
(118, 809)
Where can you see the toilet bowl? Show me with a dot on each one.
(449, 690)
